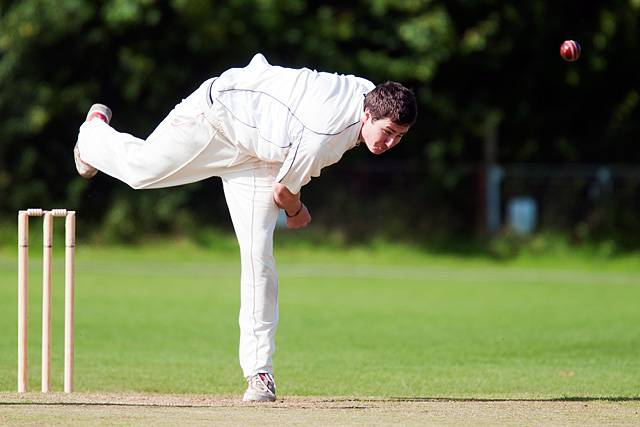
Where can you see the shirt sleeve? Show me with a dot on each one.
(304, 161)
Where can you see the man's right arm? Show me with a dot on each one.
(297, 213)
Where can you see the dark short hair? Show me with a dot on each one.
(393, 101)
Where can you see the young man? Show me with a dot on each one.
(266, 131)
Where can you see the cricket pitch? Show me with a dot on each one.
(159, 410)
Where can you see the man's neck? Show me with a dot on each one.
(360, 138)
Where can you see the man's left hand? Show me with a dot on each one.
(301, 219)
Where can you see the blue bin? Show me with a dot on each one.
(522, 213)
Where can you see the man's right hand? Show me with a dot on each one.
(301, 219)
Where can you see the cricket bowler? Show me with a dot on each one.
(265, 131)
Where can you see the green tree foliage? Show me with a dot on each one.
(470, 63)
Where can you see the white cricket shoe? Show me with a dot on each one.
(262, 388)
(97, 111)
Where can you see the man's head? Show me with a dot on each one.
(389, 111)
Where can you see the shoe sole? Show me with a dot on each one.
(101, 109)
(258, 397)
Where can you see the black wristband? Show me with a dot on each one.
(295, 214)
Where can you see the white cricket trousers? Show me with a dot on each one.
(187, 147)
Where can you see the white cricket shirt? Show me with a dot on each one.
(300, 118)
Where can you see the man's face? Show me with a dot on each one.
(382, 134)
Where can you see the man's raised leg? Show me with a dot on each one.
(183, 148)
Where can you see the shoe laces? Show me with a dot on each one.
(263, 381)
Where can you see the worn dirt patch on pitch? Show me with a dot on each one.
(161, 410)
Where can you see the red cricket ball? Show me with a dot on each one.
(570, 50)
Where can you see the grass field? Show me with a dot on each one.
(379, 321)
